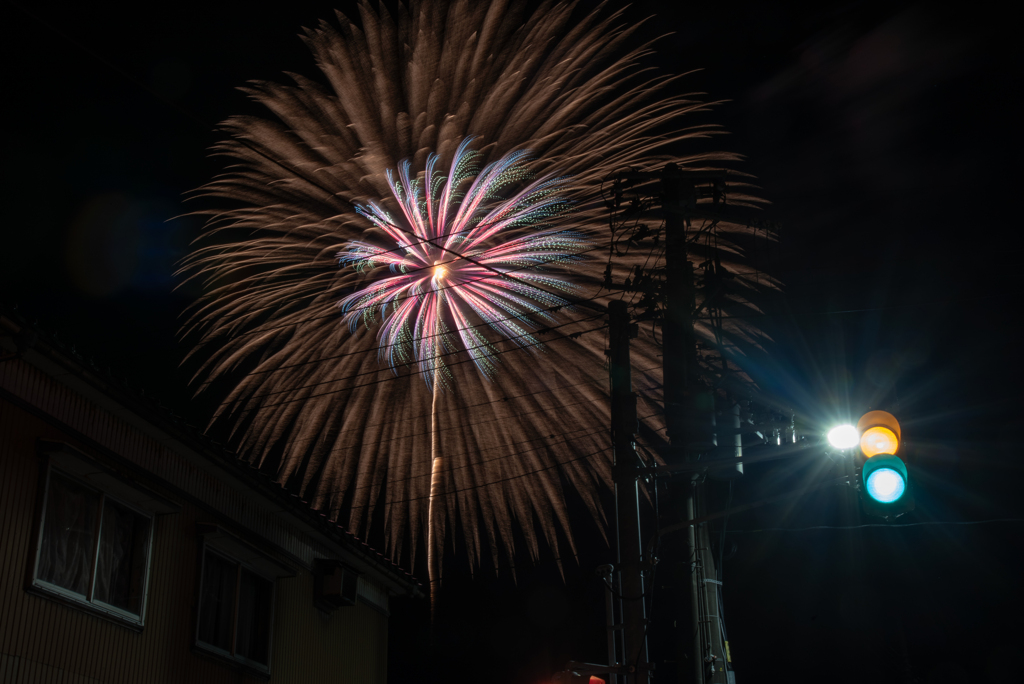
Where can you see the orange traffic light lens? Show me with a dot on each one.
(878, 440)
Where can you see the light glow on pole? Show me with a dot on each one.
(844, 437)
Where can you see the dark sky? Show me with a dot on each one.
(886, 136)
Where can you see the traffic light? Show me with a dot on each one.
(884, 482)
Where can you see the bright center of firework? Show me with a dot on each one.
(468, 257)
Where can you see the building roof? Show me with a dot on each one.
(22, 340)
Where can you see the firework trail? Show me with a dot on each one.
(461, 256)
(349, 171)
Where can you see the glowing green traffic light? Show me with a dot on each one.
(885, 485)
(885, 478)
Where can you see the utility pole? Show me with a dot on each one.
(701, 657)
(625, 471)
(680, 364)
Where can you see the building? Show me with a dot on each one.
(135, 550)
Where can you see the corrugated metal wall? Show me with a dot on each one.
(349, 645)
(160, 458)
(44, 641)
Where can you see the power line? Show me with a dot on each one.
(911, 305)
(396, 299)
(885, 525)
(386, 483)
(395, 377)
(364, 428)
(447, 353)
(476, 463)
(479, 486)
(485, 324)
(460, 426)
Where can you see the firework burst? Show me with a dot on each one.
(451, 271)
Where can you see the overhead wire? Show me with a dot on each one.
(485, 324)
(460, 426)
(503, 457)
(384, 485)
(407, 419)
(909, 305)
(573, 335)
(518, 347)
(284, 326)
(885, 525)
(485, 484)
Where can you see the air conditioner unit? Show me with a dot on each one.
(334, 584)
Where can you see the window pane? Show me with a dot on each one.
(254, 618)
(217, 603)
(69, 533)
(121, 567)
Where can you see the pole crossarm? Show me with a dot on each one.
(715, 184)
(778, 453)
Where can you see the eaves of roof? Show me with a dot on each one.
(20, 339)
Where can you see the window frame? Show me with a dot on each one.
(87, 601)
(232, 657)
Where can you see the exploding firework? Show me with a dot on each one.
(462, 254)
(455, 273)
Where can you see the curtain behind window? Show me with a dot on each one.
(121, 567)
(253, 640)
(69, 535)
(217, 604)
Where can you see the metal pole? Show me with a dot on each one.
(627, 504)
(694, 654)
(607, 574)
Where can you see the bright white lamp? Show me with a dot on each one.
(844, 437)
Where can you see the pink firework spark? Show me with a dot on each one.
(462, 258)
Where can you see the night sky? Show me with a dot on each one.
(885, 135)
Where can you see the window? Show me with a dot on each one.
(93, 549)
(235, 610)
